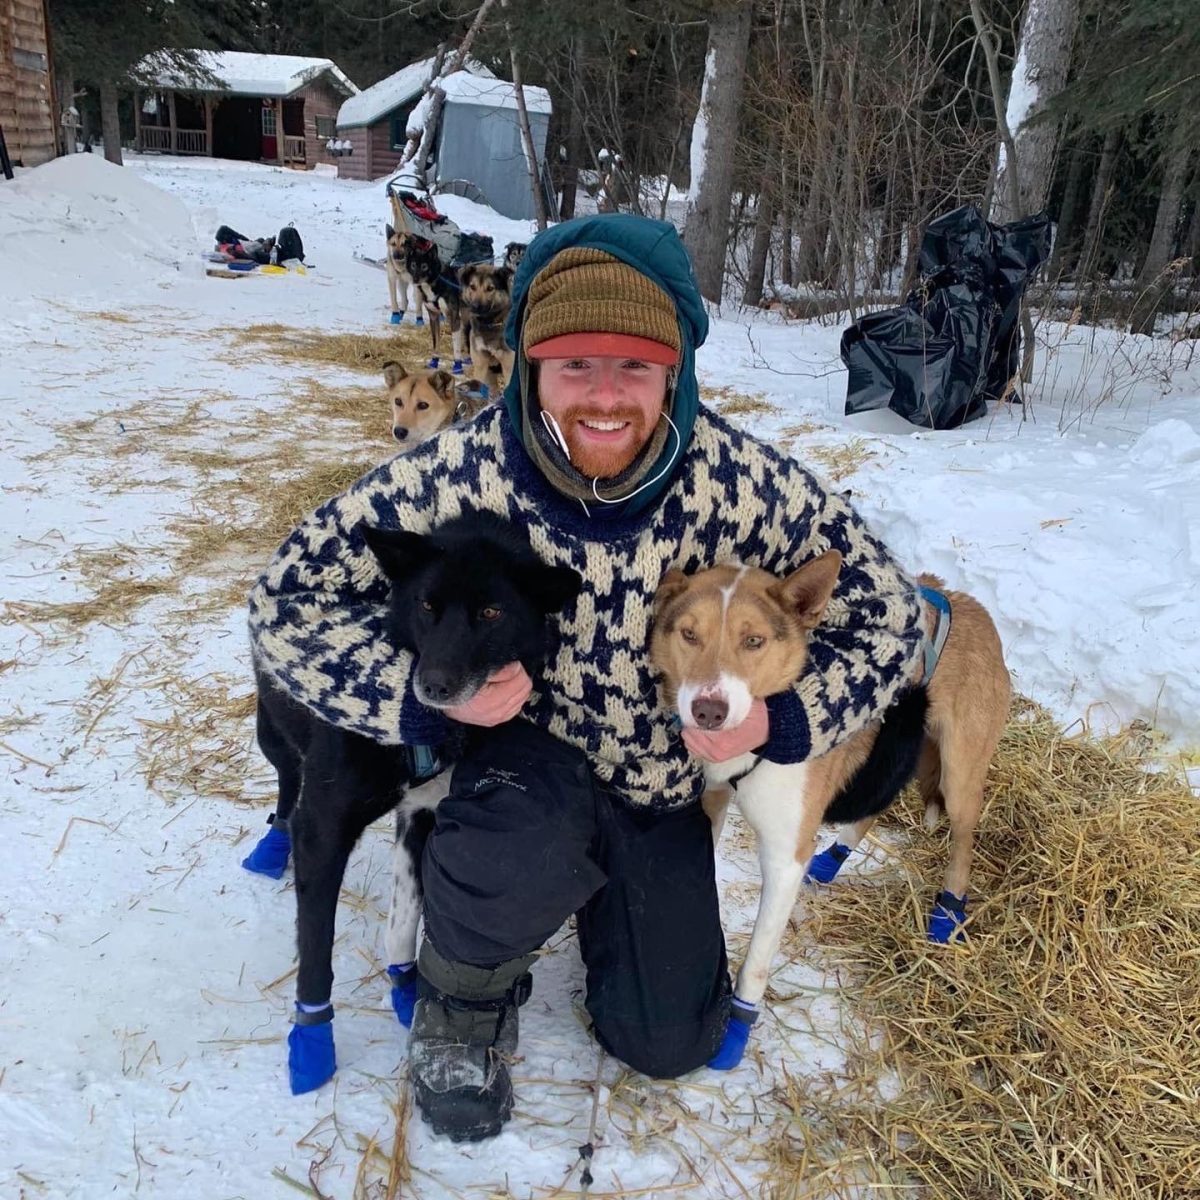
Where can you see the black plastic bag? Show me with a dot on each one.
(956, 341)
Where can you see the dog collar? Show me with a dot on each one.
(941, 631)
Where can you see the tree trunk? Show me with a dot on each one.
(714, 139)
(110, 123)
(1099, 204)
(1156, 280)
(64, 83)
(1066, 240)
(575, 148)
(1040, 73)
(764, 224)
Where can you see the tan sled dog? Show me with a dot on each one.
(426, 402)
(729, 635)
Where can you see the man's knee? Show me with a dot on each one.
(508, 859)
(666, 1051)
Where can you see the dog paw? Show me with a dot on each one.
(397, 318)
(457, 368)
(824, 866)
(419, 321)
(432, 364)
(949, 916)
(270, 855)
(737, 1034)
(404, 992)
(311, 1058)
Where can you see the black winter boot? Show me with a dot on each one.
(464, 1031)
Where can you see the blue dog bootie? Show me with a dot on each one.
(404, 991)
(397, 318)
(432, 364)
(457, 368)
(311, 1058)
(825, 866)
(737, 1033)
(949, 916)
(419, 321)
(270, 855)
(467, 360)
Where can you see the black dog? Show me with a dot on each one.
(439, 291)
(465, 600)
(513, 253)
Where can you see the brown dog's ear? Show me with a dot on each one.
(390, 231)
(806, 591)
(503, 277)
(466, 274)
(393, 372)
(443, 384)
(670, 585)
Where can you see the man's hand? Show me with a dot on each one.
(499, 700)
(729, 743)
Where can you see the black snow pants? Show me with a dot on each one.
(526, 837)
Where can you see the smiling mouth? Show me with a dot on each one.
(605, 426)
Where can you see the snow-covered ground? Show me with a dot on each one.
(147, 978)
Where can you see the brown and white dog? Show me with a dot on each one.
(426, 402)
(732, 634)
(486, 298)
(400, 282)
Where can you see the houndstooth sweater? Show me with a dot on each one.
(317, 616)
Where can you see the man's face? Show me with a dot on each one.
(606, 407)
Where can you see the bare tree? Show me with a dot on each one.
(1155, 279)
(1040, 73)
(714, 142)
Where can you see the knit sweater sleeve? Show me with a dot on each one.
(868, 643)
(318, 614)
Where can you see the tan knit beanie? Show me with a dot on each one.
(585, 291)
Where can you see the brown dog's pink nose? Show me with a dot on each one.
(709, 712)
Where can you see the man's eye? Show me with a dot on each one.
(754, 642)
(635, 364)
(689, 637)
(489, 614)
(576, 364)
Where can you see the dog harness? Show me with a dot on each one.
(941, 631)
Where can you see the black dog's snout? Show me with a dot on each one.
(437, 686)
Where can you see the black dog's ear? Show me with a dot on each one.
(550, 588)
(399, 553)
(390, 231)
(503, 277)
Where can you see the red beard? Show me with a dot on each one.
(604, 458)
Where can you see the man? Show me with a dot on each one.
(589, 803)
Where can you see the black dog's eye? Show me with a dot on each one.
(489, 614)
(426, 606)
(422, 405)
(688, 636)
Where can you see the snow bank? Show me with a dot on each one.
(82, 225)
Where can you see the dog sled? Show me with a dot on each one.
(415, 215)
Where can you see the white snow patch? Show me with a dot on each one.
(465, 88)
(395, 90)
(244, 74)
